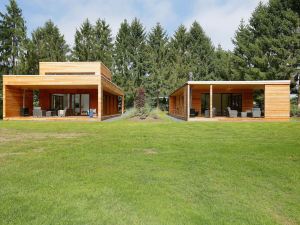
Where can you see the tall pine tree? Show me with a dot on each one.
(157, 58)
(137, 52)
(269, 47)
(93, 43)
(47, 44)
(84, 43)
(222, 64)
(103, 43)
(201, 54)
(12, 38)
(130, 58)
(122, 62)
(179, 62)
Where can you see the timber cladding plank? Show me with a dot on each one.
(83, 68)
(14, 101)
(50, 80)
(277, 101)
(70, 67)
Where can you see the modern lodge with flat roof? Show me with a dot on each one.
(220, 100)
(63, 89)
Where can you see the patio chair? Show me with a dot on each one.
(38, 112)
(256, 113)
(62, 113)
(207, 112)
(232, 113)
(193, 113)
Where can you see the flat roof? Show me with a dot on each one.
(258, 82)
(231, 82)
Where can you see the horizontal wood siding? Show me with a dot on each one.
(277, 101)
(14, 101)
(51, 81)
(70, 67)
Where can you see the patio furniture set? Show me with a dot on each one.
(38, 112)
(255, 113)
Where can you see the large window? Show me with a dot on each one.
(76, 104)
(80, 104)
(221, 102)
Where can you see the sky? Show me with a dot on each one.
(219, 18)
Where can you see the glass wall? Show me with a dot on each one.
(221, 102)
(76, 104)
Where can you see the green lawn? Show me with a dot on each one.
(164, 172)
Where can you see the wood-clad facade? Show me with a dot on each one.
(216, 96)
(66, 84)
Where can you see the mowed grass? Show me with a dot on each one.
(163, 172)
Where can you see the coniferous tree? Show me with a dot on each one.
(137, 51)
(12, 38)
(241, 68)
(84, 43)
(201, 54)
(222, 64)
(103, 43)
(179, 62)
(157, 58)
(46, 44)
(130, 58)
(269, 47)
(122, 62)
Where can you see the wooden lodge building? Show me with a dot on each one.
(231, 100)
(76, 88)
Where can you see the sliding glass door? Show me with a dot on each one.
(221, 102)
(80, 104)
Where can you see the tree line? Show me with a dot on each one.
(266, 47)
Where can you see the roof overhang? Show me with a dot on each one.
(257, 84)
(254, 82)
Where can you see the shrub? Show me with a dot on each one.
(140, 98)
(294, 110)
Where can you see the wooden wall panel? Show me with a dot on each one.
(277, 101)
(44, 99)
(29, 101)
(48, 82)
(178, 103)
(171, 104)
(13, 101)
(105, 71)
(196, 100)
(70, 67)
(247, 100)
(110, 104)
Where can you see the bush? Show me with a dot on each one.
(294, 110)
(141, 113)
(140, 98)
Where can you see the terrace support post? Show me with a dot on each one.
(188, 103)
(100, 95)
(210, 101)
(122, 104)
(4, 101)
(24, 94)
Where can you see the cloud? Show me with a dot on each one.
(73, 13)
(220, 19)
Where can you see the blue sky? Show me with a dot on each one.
(219, 18)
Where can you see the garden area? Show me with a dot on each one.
(145, 172)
